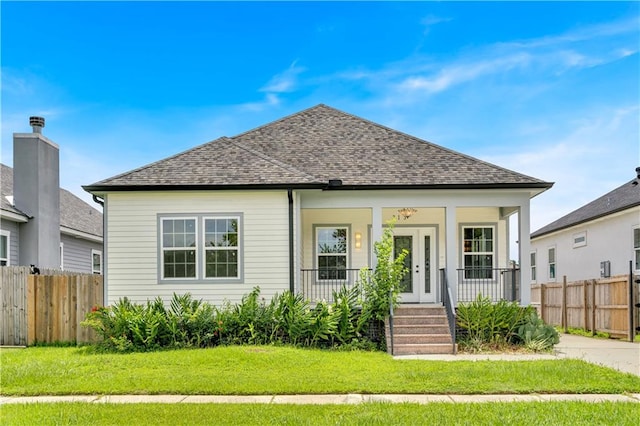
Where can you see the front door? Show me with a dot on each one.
(418, 284)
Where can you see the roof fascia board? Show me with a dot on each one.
(14, 217)
(587, 220)
(80, 234)
(124, 188)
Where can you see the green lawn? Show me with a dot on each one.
(251, 370)
(515, 413)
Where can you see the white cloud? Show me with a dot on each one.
(285, 81)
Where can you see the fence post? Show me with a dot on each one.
(542, 302)
(593, 307)
(585, 292)
(630, 307)
(564, 304)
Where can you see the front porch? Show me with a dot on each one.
(495, 283)
(462, 240)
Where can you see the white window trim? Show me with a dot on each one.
(635, 250)
(533, 260)
(199, 248)
(163, 248)
(493, 254)
(99, 253)
(7, 234)
(316, 254)
(204, 250)
(582, 236)
(62, 256)
(554, 263)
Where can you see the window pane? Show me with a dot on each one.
(221, 263)
(3, 246)
(552, 255)
(179, 264)
(332, 240)
(636, 238)
(533, 259)
(221, 233)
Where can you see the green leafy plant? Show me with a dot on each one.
(381, 287)
(484, 324)
(536, 335)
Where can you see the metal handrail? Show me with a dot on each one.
(447, 302)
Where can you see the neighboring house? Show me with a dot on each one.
(597, 240)
(40, 223)
(297, 204)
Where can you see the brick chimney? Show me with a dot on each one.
(36, 192)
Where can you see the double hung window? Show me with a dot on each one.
(331, 251)
(636, 248)
(203, 247)
(533, 266)
(478, 252)
(552, 263)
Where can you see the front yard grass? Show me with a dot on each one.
(514, 413)
(255, 370)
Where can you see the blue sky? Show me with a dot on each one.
(547, 89)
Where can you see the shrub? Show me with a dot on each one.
(127, 326)
(484, 324)
(536, 335)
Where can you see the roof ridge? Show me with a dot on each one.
(278, 163)
(286, 117)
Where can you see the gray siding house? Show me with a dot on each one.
(42, 224)
(597, 240)
(297, 204)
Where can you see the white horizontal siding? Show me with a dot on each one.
(132, 243)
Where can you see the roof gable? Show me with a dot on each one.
(316, 145)
(622, 198)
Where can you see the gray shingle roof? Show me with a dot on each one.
(622, 198)
(316, 145)
(74, 213)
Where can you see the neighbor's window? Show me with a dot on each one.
(4, 248)
(61, 256)
(580, 239)
(552, 262)
(96, 262)
(221, 247)
(533, 266)
(179, 248)
(636, 247)
(478, 252)
(331, 249)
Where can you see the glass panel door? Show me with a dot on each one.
(400, 243)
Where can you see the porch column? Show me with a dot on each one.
(524, 233)
(376, 231)
(451, 252)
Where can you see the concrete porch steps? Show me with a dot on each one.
(419, 329)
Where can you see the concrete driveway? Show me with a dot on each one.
(623, 356)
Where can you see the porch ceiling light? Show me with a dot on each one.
(407, 212)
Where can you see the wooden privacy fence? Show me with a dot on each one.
(603, 305)
(46, 308)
